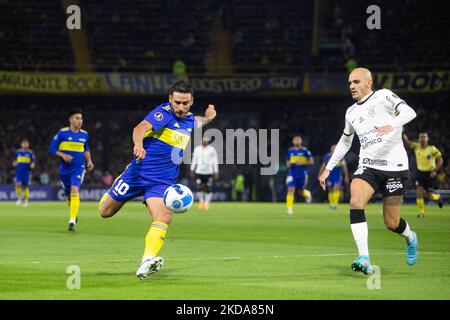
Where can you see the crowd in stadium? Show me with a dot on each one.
(148, 36)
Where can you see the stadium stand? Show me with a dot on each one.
(141, 35)
(33, 36)
(409, 40)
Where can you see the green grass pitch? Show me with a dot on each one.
(233, 251)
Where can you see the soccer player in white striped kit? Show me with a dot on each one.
(204, 167)
(377, 119)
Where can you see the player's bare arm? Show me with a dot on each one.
(66, 157)
(322, 167)
(209, 116)
(439, 163)
(406, 139)
(14, 164)
(346, 174)
(340, 151)
(89, 163)
(138, 137)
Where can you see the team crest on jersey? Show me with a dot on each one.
(158, 116)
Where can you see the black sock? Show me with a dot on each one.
(401, 227)
(357, 216)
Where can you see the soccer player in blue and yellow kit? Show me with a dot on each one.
(159, 141)
(24, 161)
(334, 183)
(298, 159)
(71, 144)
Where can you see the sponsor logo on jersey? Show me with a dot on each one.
(366, 142)
(375, 162)
(158, 116)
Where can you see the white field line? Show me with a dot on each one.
(218, 258)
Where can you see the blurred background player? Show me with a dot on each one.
(337, 176)
(297, 161)
(204, 167)
(24, 162)
(71, 144)
(428, 161)
(159, 143)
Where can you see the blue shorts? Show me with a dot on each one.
(73, 179)
(23, 178)
(297, 181)
(130, 184)
(333, 181)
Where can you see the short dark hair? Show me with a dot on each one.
(297, 135)
(71, 113)
(181, 86)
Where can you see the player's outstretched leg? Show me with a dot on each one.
(74, 207)
(290, 200)
(108, 206)
(155, 237)
(360, 235)
(392, 220)
(361, 193)
(437, 198)
(26, 195)
(19, 194)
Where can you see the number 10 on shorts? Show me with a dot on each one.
(121, 187)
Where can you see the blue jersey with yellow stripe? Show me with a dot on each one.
(337, 173)
(24, 159)
(293, 155)
(164, 144)
(71, 143)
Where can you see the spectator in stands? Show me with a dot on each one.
(179, 68)
(350, 64)
(107, 179)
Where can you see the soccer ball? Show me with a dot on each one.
(178, 198)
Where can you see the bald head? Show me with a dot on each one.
(360, 83)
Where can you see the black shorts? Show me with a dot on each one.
(390, 183)
(204, 181)
(423, 179)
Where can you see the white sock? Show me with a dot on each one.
(201, 196)
(72, 221)
(361, 235)
(147, 258)
(407, 234)
(208, 197)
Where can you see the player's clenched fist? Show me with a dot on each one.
(139, 152)
(210, 112)
(323, 177)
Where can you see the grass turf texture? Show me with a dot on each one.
(233, 251)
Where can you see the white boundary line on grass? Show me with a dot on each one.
(221, 258)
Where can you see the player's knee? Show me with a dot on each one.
(356, 202)
(106, 211)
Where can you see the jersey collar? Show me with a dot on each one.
(361, 101)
